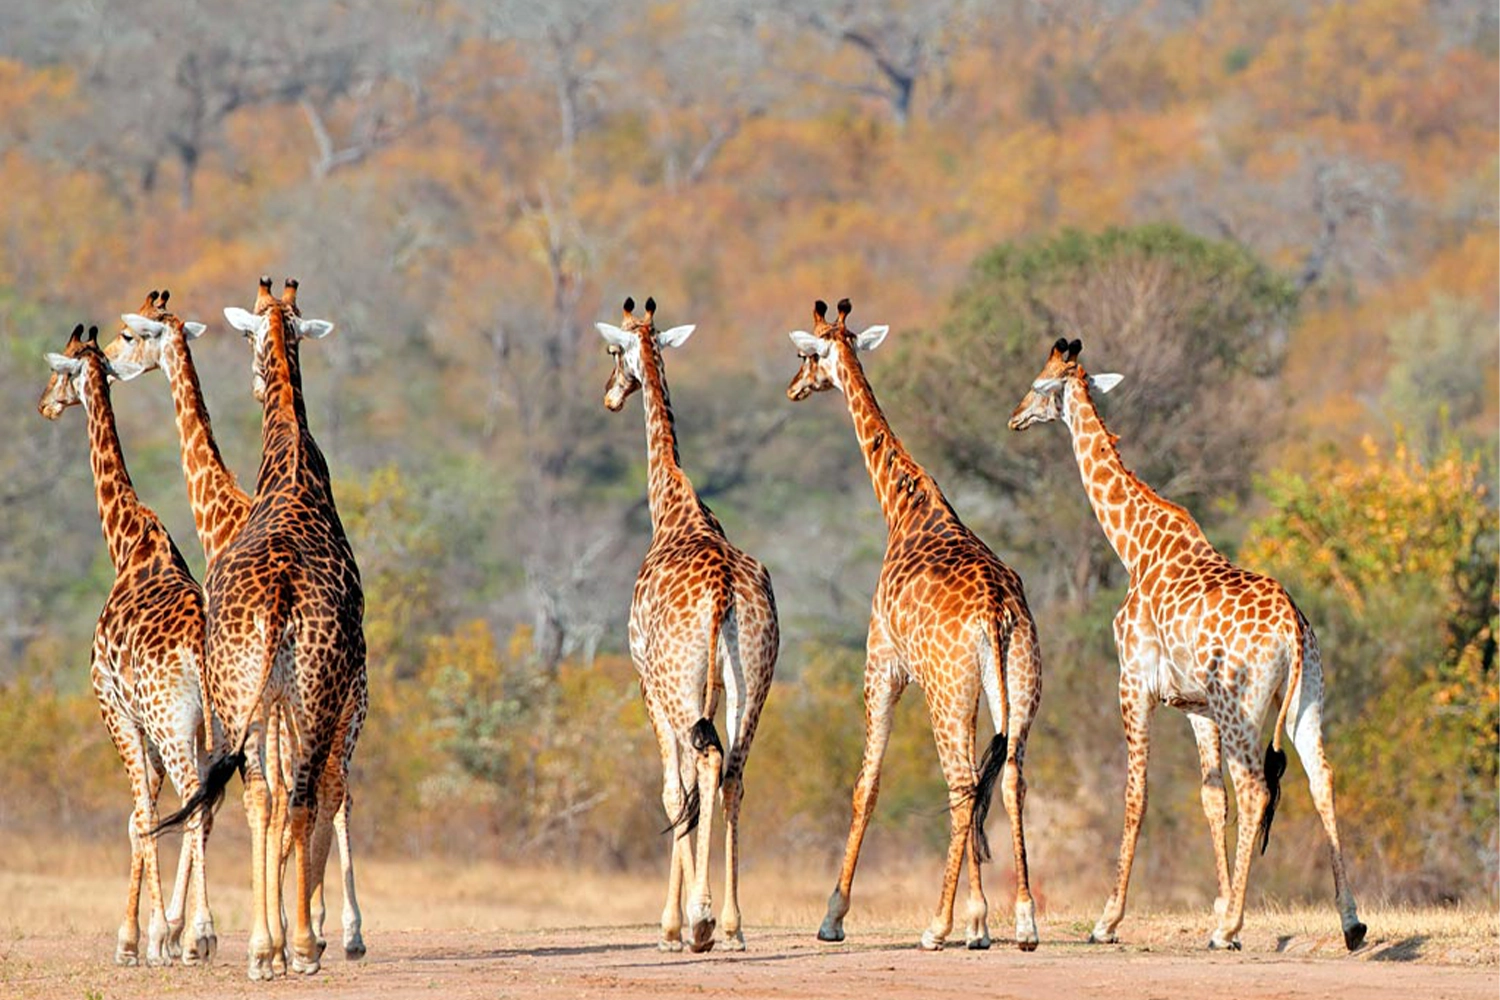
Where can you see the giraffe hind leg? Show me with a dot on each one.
(1308, 736)
(709, 769)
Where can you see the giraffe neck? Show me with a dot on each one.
(219, 505)
(1139, 523)
(121, 514)
(291, 460)
(668, 490)
(901, 485)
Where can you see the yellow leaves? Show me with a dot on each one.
(1360, 525)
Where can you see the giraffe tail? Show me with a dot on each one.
(703, 737)
(995, 754)
(226, 762)
(1275, 765)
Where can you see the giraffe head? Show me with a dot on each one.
(628, 345)
(80, 359)
(1048, 393)
(256, 326)
(143, 333)
(820, 360)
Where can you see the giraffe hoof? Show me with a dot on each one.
(669, 944)
(703, 936)
(1355, 936)
(1026, 945)
(931, 942)
(354, 948)
(978, 944)
(830, 933)
(126, 958)
(1095, 937)
(734, 942)
(1214, 944)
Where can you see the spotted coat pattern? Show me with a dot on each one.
(220, 509)
(951, 618)
(1200, 634)
(702, 621)
(286, 648)
(145, 670)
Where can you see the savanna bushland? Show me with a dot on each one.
(1276, 220)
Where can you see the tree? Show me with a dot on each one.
(1198, 329)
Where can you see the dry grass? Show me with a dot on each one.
(60, 888)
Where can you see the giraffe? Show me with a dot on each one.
(1200, 634)
(948, 615)
(702, 620)
(285, 643)
(153, 338)
(147, 655)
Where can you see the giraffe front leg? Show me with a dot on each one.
(882, 691)
(1136, 710)
(1215, 801)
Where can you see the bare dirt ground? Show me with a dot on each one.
(457, 931)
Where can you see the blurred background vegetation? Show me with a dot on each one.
(1277, 220)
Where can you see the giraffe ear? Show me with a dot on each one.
(809, 345)
(142, 326)
(125, 370)
(614, 336)
(241, 319)
(193, 330)
(64, 365)
(313, 329)
(871, 338)
(677, 336)
(1105, 382)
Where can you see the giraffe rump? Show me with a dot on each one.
(703, 737)
(209, 794)
(990, 767)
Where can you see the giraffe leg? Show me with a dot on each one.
(354, 941)
(1215, 801)
(306, 952)
(954, 729)
(679, 868)
(129, 742)
(883, 688)
(1307, 733)
(277, 840)
(1251, 797)
(263, 852)
(744, 696)
(205, 942)
(330, 790)
(1136, 711)
(1023, 673)
(708, 767)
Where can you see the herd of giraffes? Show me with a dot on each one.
(261, 671)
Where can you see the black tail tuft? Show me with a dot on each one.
(1275, 768)
(990, 767)
(704, 737)
(686, 820)
(209, 794)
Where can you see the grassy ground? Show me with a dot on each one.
(60, 888)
